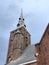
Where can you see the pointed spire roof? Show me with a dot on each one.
(21, 20)
(21, 16)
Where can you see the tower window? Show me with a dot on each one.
(19, 18)
(23, 19)
(11, 40)
(39, 49)
(26, 38)
(25, 25)
(18, 24)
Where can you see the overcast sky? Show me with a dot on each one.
(36, 14)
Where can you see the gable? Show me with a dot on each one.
(43, 48)
(45, 35)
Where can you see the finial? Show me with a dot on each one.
(21, 15)
(21, 12)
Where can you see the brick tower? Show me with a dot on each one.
(19, 40)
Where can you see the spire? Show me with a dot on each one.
(21, 14)
(21, 20)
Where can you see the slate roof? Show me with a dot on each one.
(28, 55)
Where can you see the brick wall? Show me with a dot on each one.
(43, 49)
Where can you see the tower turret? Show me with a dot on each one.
(21, 20)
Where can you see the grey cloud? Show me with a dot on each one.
(8, 13)
(3, 49)
(37, 22)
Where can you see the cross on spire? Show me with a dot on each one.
(21, 20)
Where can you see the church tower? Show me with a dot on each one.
(19, 40)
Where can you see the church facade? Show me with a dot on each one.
(20, 50)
